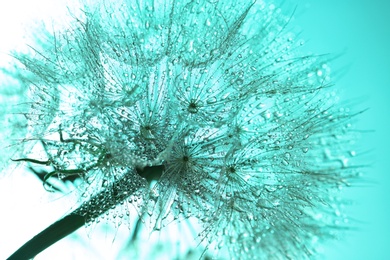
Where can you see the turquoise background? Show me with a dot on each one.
(361, 30)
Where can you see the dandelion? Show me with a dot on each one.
(189, 109)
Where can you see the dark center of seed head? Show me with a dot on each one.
(192, 108)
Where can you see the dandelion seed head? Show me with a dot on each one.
(247, 135)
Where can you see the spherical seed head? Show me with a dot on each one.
(251, 139)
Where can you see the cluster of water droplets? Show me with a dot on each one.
(247, 133)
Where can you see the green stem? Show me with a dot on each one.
(87, 212)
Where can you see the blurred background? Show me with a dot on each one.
(357, 28)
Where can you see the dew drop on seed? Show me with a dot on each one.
(270, 188)
(211, 100)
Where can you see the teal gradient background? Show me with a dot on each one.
(360, 30)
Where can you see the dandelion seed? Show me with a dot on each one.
(190, 109)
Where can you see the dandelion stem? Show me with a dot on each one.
(87, 212)
(49, 236)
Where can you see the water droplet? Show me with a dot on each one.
(157, 226)
(266, 114)
(233, 240)
(270, 188)
(211, 100)
(268, 204)
(239, 81)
